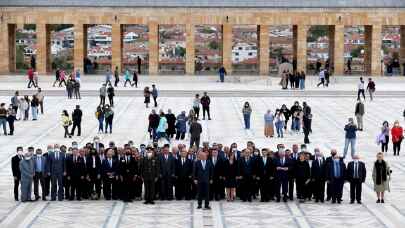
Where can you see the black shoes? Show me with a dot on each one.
(207, 208)
(199, 207)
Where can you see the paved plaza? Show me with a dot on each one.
(130, 123)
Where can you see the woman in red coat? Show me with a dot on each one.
(397, 135)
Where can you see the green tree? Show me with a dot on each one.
(213, 45)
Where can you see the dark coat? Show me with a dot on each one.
(361, 171)
(15, 166)
(203, 175)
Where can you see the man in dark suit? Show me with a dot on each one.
(40, 167)
(217, 187)
(335, 175)
(167, 174)
(202, 175)
(94, 173)
(109, 172)
(294, 156)
(246, 176)
(149, 171)
(184, 172)
(356, 175)
(318, 176)
(15, 167)
(265, 171)
(282, 164)
(75, 172)
(56, 170)
(127, 173)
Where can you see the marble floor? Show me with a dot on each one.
(330, 115)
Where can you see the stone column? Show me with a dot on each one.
(7, 48)
(300, 47)
(372, 49)
(336, 48)
(80, 46)
(402, 47)
(43, 55)
(116, 46)
(227, 47)
(264, 49)
(190, 49)
(153, 48)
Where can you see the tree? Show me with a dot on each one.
(213, 45)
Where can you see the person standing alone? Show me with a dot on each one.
(155, 94)
(371, 88)
(360, 89)
(77, 120)
(205, 102)
(359, 113)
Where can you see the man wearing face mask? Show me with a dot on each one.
(109, 170)
(335, 175)
(27, 174)
(40, 172)
(356, 175)
(350, 137)
(318, 176)
(97, 144)
(15, 167)
(47, 178)
(56, 171)
(150, 171)
(94, 173)
(126, 173)
(329, 159)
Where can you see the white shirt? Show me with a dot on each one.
(361, 85)
(94, 162)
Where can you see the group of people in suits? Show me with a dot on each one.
(208, 173)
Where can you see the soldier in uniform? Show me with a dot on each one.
(150, 173)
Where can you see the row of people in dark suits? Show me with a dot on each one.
(85, 172)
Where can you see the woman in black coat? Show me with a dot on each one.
(231, 170)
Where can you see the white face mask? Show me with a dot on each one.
(27, 157)
(57, 150)
(39, 155)
(149, 155)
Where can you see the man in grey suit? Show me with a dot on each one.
(56, 170)
(40, 167)
(27, 173)
(203, 175)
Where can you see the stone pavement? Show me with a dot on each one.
(330, 115)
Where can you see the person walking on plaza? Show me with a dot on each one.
(111, 94)
(34, 107)
(155, 94)
(15, 101)
(307, 121)
(103, 93)
(203, 177)
(205, 103)
(359, 113)
(246, 111)
(222, 73)
(146, 94)
(77, 121)
(195, 133)
(149, 171)
(171, 124)
(350, 137)
(24, 108)
(162, 127)
(109, 116)
(27, 174)
(11, 117)
(76, 89)
(321, 78)
(196, 106)
(268, 124)
(3, 117)
(153, 120)
(62, 78)
(181, 126)
(127, 78)
(302, 80)
(360, 89)
(108, 77)
(397, 134)
(384, 136)
(57, 76)
(135, 80)
(139, 64)
(30, 74)
(100, 118)
(39, 174)
(371, 88)
(40, 96)
(356, 175)
(66, 122)
(335, 175)
(381, 177)
(279, 123)
(116, 76)
(70, 88)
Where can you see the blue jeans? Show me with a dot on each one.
(162, 135)
(279, 129)
(3, 122)
(295, 124)
(34, 112)
(221, 77)
(246, 118)
(100, 124)
(352, 143)
(302, 84)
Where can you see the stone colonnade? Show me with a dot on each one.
(301, 19)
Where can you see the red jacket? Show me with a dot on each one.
(397, 134)
(30, 74)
